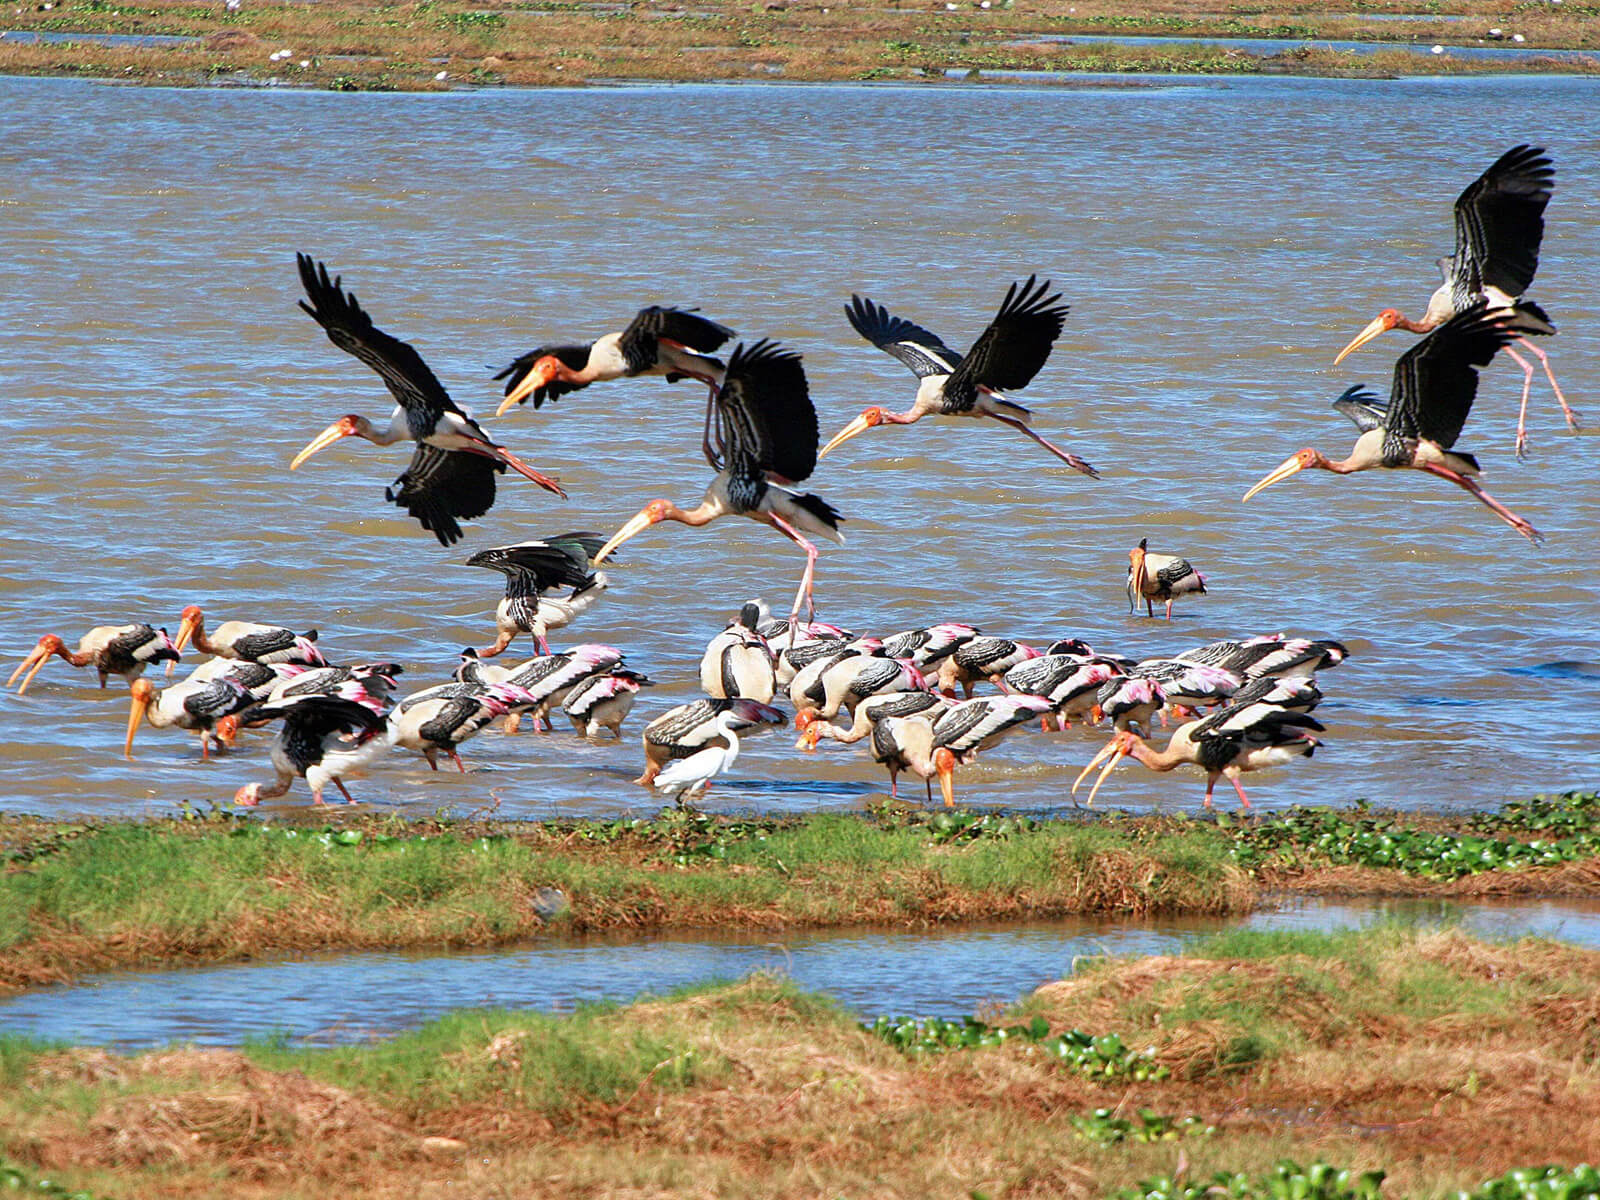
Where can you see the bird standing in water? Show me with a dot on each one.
(1159, 577)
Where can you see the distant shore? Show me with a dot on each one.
(346, 46)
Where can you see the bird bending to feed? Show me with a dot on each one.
(675, 342)
(935, 747)
(1159, 577)
(737, 661)
(604, 701)
(1434, 385)
(690, 777)
(247, 641)
(533, 569)
(766, 429)
(1233, 740)
(813, 726)
(981, 658)
(1499, 224)
(124, 650)
(441, 718)
(1008, 354)
(323, 739)
(686, 729)
(451, 475)
(190, 704)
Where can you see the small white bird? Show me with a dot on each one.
(690, 777)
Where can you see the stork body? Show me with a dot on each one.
(124, 650)
(451, 476)
(850, 679)
(1008, 354)
(441, 718)
(981, 658)
(603, 702)
(193, 705)
(1160, 577)
(248, 641)
(738, 663)
(927, 648)
(880, 706)
(1435, 383)
(324, 738)
(928, 748)
(688, 778)
(1068, 681)
(689, 728)
(533, 570)
(1499, 224)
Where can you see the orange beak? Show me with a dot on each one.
(542, 373)
(37, 657)
(341, 428)
(1379, 324)
(143, 696)
(860, 425)
(1135, 577)
(1278, 474)
(187, 628)
(945, 762)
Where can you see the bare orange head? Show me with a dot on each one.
(48, 645)
(143, 693)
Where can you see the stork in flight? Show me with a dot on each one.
(766, 431)
(1434, 385)
(1008, 354)
(451, 475)
(1499, 225)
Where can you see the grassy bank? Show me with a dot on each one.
(75, 898)
(346, 45)
(1441, 1060)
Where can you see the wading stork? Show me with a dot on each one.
(124, 650)
(533, 569)
(1159, 577)
(1499, 222)
(1434, 385)
(766, 429)
(249, 641)
(452, 473)
(323, 739)
(686, 729)
(1008, 354)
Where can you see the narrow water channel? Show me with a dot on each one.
(353, 997)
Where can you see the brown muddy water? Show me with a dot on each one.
(1219, 241)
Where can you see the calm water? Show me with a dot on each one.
(351, 997)
(1218, 240)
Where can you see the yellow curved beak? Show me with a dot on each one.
(37, 657)
(322, 441)
(1374, 328)
(945, 761)
(1105, 772)
(186, 630)
(1278, 474)
(135, 716)
(530, 383)
(1135, 578)
(1108, 748)
(859, 425)
(642, 520)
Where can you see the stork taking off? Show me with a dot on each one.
(452, 473)
(124, 650)
(1008, 354)
(1434, 385)
(323, 739)
(534, 569)
(766, 429)
(1499, 225)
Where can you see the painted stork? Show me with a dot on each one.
(451, 475)
(805, 685)
(195, 705)
(247, 641)
(1229, 742)
(533, 569)
(547, 680)
(323, 739)
(1499, 222)
(783, 634)
(766, 427)
(124, 650)
(686, 729)
(1156, 683)
(880, 706)
(675, 342)
(850, 679)
(1070, 682)
(1269, 657)
(791, 661)
(1008, 354)
(928, 748)
(981, 658)
(687, 778)
(927, 648)
(1434, 385)
(442, 717)
(604, 701)
(737, 661)
(277, 686)
(1159, 577)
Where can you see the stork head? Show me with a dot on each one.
(1382, 323)
(248, 796)
(48, 645)
(1296, 462)
(227, 730)
(541, 373)
(349, 425)
(812, 727)
(651, 514)
(868, 418)
(1118, 748)
(191, 625)
(144, 695)
(944, 762)
(1136, 575)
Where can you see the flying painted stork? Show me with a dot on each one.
(533, 569)
(604, 701)
(766, 430)
(686, 729)
(247, 641)
(1229, 742)
(323, 739)
(1435, 383)
(1159, 577)
(1008, 354)
(1499, 224)
(452, 472)
(675, 342)
(928, 748)
(195, 705)
(880, 706)
(737, 661)
(124, 650)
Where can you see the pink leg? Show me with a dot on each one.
(1483, 497)
(1544, 361)
(344, 791)
(1072, 460)
(539, 644)
(1522, 413)
(316, 796)
(1169, 610)
(1210, 783)
(501, 454)
(1243, 799)
(456, 758)
(810, 573)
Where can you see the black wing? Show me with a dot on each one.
(1364, 408)
(1014, 348)
(642, 338)
(1436, 381)
(913, 345)
(550, 562)
(318, 716)
(765, 419)
(440, 486)
(575, 357)
(413, 385)
(1500, 221)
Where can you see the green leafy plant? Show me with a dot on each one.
(1105, 1055)
(1104, 1127)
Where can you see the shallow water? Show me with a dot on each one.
(1219, 240)
(351, 997)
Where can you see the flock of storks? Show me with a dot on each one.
(761, 438)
